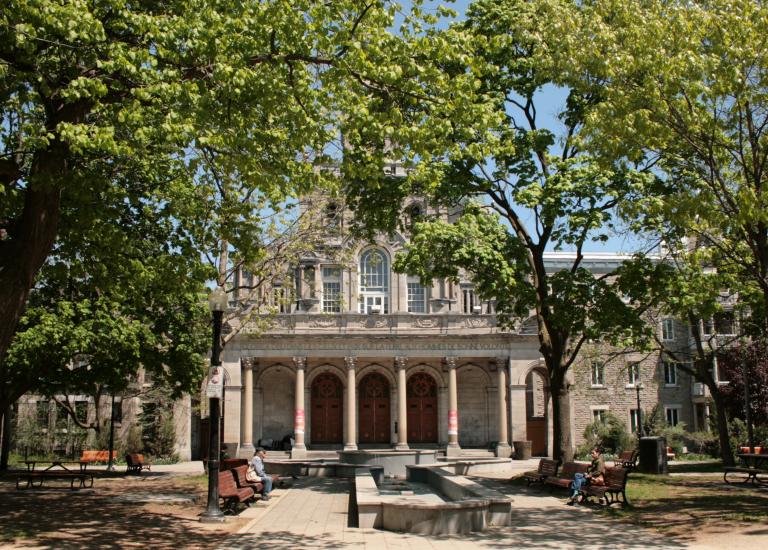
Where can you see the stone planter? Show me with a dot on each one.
(523, 450)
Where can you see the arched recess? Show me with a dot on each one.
(275, 394)
(327, 402)
(374, 413)
(422, 407)
(475, 419)
(537, 410)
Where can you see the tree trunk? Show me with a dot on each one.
(722, 428)
(561, 421)
(23, 254)
(5, 448)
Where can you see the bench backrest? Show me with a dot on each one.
(571, 468)
(227, 485)
(97, 456)
(548, 467)
(615, 477)
(239, 473)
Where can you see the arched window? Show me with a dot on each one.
(374, 282)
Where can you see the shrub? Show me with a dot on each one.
(611, 434)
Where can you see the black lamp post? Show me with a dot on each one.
(217, 301)
(638, 388)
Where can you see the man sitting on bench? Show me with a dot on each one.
(595, 476)
(258, 465)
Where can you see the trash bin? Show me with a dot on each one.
(653, 455)
(522, 449)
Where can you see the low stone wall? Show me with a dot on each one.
(477, 466)
(319, 468)
(472, 507)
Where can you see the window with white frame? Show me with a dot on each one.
(634, 420)
(667, 329)
(331, 290)
(374, 282)
(599, 415)
(598, 374)
(672, 415)
(633, 374)
(670, 373)
(417, 297)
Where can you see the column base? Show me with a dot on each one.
(299, 452)
(402, 447)
(503, 450)
(350, 446)
(246, 450)
(453, 449)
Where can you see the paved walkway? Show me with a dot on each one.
(313, 514)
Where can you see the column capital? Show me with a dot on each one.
(350, 362)
(249, 363)
(401, 362)
(300, 362)
(451, 361)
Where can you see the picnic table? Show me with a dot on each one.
(57, 469)
(754, 469)
(54, 463)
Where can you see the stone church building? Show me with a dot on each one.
(359, 356)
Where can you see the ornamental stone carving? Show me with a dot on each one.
(477, 322)
(374, 322)
(426, 322)
(325, 322)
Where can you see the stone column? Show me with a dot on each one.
(351, 443)
(402, 410)
(299, 449)
(246, 449)
(453, 448)
(503, 449)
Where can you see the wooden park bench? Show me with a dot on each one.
(564, 480)
(136, 463)
(97, 456)
(36, 478)
(239, 473)
(231, 493)
(615, 483)
(547, 468)
(627, 460)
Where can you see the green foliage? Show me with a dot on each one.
(611, 435)
(184, 120)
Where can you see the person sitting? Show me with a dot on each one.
(258, 465)
(594, 475)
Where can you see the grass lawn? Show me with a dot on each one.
(692, 497)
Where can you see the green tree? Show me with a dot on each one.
(91, 92)
(480, 137)
(684, 93)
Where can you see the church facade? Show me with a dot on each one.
(359, 356)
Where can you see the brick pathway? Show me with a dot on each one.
(313, 514)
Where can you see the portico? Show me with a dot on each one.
(389, 391)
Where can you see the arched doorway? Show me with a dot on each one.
(536, 413)
(373, 423)
(421, 401)
(327, 417)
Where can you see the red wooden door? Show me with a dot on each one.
(421, 401)
(536, 428)
(373, 402)
(327, 400)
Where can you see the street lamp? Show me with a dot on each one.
(217, 302)
(638, 388)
